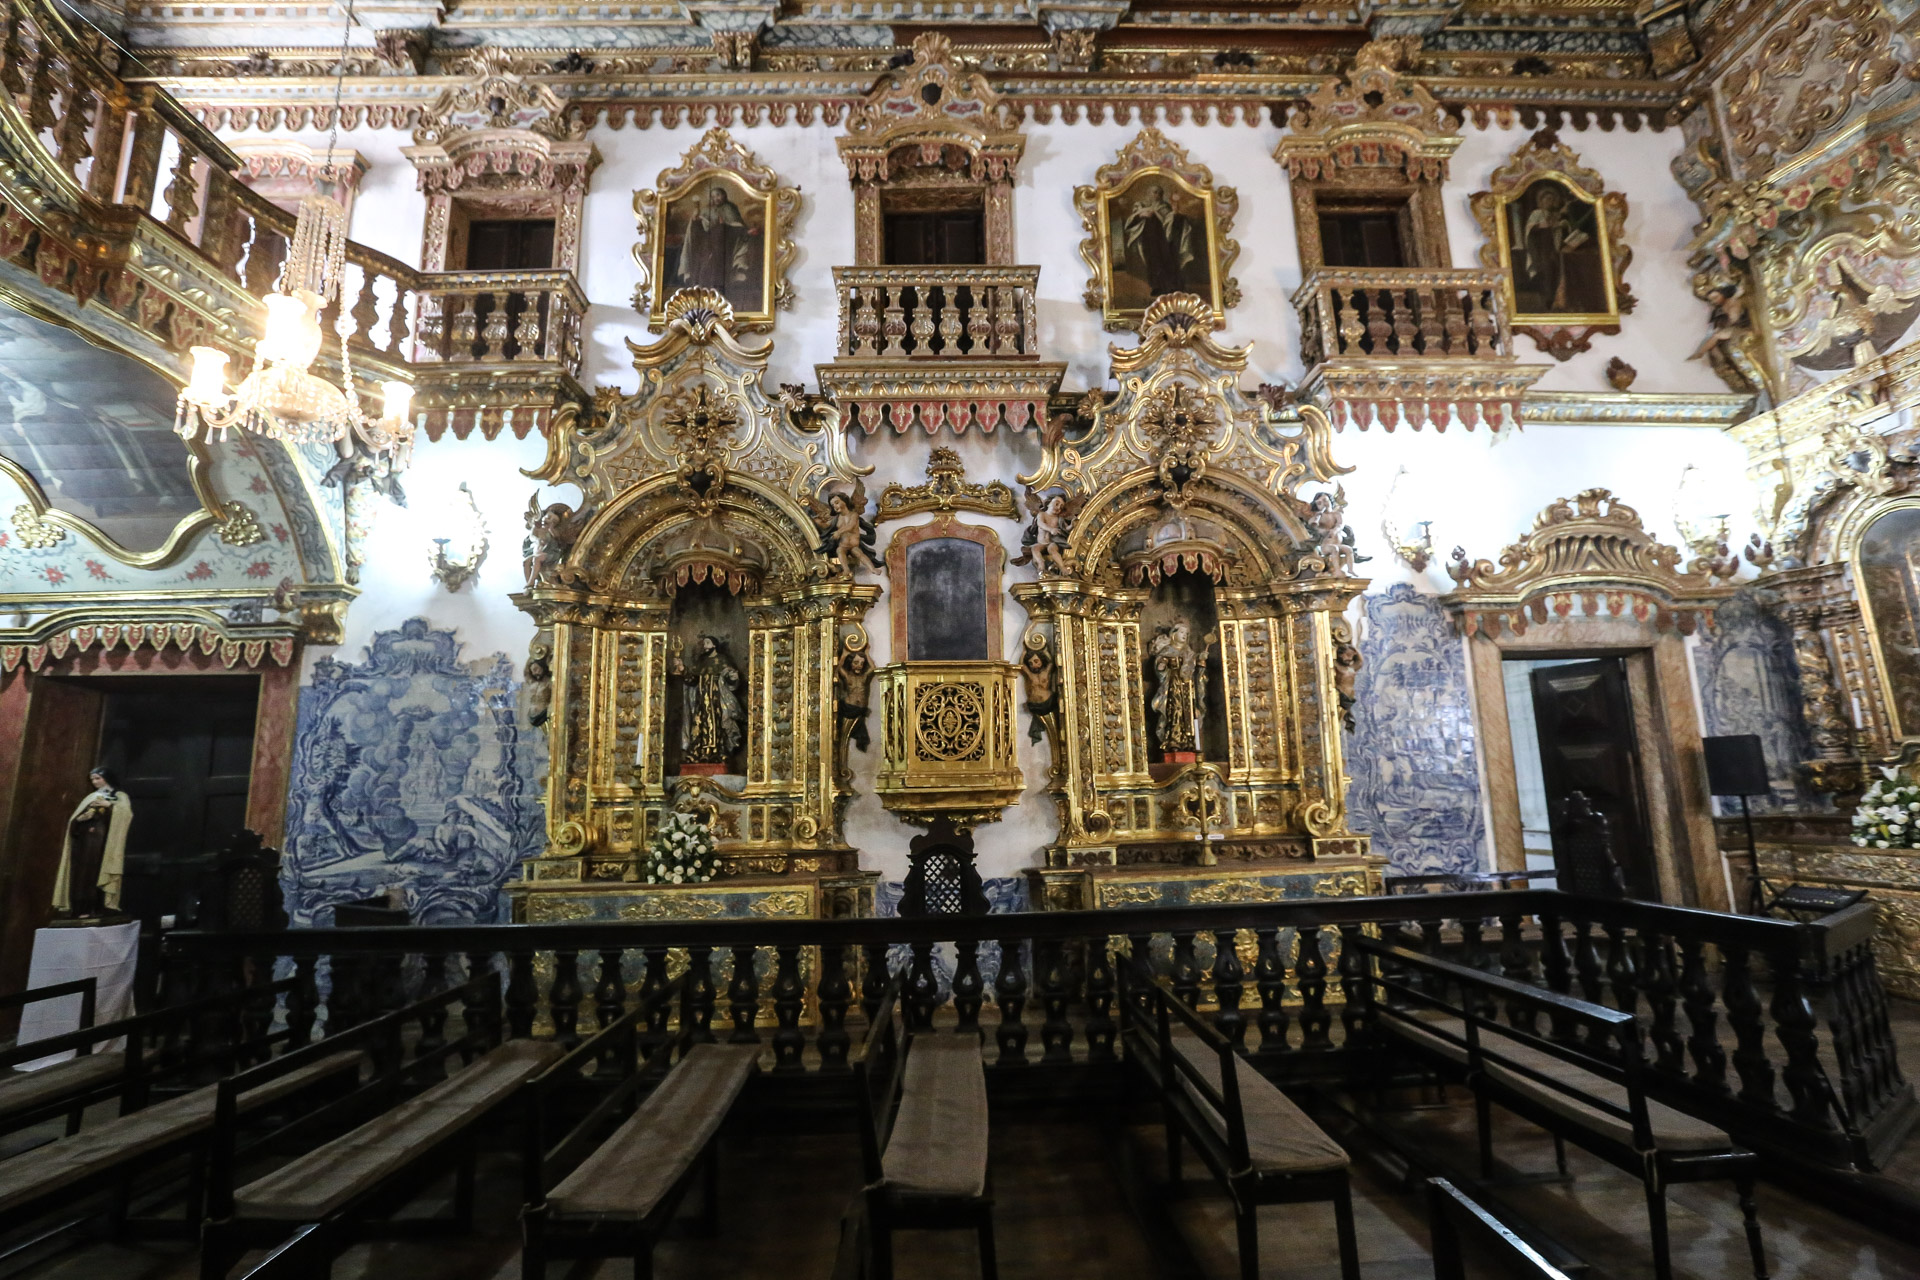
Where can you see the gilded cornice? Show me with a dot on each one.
(1633, 409)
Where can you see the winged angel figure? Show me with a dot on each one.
(846, 535)
(1045, 541)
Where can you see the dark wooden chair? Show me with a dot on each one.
(91, 1075)
(1260, 1147)
(922, 1101)
(1452, 1220)
(1583, 855)
(595, 1194)
(1587, 1084)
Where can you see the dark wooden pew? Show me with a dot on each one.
(349, 1181)
(90, 1076)
(923, 1135)
(1453, 1219)
(1586, 1081)
(598, 1195)
(1260, 1148)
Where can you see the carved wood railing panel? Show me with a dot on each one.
(469, 317)
(1416, 313)
(937, 313)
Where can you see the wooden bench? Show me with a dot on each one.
(1452, 1220)
(616, 1194)
(1258, 1145)
(923, 1136)
(29, 1097)
(379, 1163)
(1588, 1083)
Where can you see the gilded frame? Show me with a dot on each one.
(213, 512)
(717, 157)
(1153, 155)
(945, 526)
(1860, 524)
(1544, 158)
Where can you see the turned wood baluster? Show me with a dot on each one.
(1516, 963)
(1229, 983)
(1315, 1021)
(1697, 998)
(789, 998)
(979, 320)
(48, 75)
(1474, 954)
(949, 320)
(366, 307)
(922, 993)
(182, 195)
(1404, 327)
(1355, 969)
(466, 330)
(652, 983)
(1586, 962)
(1657, 985)
(302, 1002)
(1486, 329)
(433, 1023)
(696, 1011)
(1796, 1027)
(610, 993)
(264, 257)
(1352, 328)
(1010, 993)
(1749, 1029)
(1270, 979)
(1432, 342)
(480, 1002)
(1379, 321)
(1011, 301)
(13, 55)
(1101, 982)
(835, 994)
(1622, 973)
(526, 330)
(1186, 971)
(1455, 307)
(72, 138)
(563, 998)
(522, 996)
(1140, 960)
(968, 988)
(1431, 984)
(397, 320)
(923, 326)
(1556, 959)
(1056, 1033)
(743, 996)
(495, 332)
(894, 326)
(866, 320)
(873, 983)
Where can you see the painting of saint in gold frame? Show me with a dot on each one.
(721, 221)
(1557, 236)
(1156, 225)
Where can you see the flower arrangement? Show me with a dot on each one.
(1888, 816)
(681, 851)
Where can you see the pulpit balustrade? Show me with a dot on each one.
(1776, 1030)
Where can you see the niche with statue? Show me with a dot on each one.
(1181, 674)
(707, 667)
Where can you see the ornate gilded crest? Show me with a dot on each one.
(1559, 237)
(946, 489)
(949, 114)
(719, 221)
(1156, 225)
(1373, 115)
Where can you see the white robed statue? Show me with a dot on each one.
(93, 856)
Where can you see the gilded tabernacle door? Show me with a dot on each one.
(1187, 654)
(701, 610)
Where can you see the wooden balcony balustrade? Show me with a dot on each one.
(1411, 313)
(469, 317)
(1776, 1031)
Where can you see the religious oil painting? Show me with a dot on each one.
(1156, 225)
(1889, 569)
(92, 430)
(720, 221)
(1556, 250)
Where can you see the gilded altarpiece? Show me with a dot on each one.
(1183, 478)
(697, 485)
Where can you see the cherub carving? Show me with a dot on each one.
(1045, 541)
(550, 535)
(1332, 537)
(846, 534)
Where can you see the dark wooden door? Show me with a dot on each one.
(1362, 238)
(184, 749)
(1585, 723)
(509, 245)
(946, 237)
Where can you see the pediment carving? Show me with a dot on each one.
(931, 113)
(1375, 116)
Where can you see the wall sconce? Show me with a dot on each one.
(1415, 545)
(456, 559)
(1705, 535)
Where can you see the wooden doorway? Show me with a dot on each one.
(1583, 717)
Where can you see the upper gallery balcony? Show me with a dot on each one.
(939, 345)
(1410, 345)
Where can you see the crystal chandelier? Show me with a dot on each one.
(280, 397)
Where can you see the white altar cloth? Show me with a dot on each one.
(107, 954)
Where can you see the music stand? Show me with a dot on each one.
(1737, 766)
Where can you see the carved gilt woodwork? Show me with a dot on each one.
(698, 480)
(718, 159)
(1561, 331)
(946, 489)
(1153, 160)
(1227, 509)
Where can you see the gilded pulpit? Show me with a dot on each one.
(1186, 644)
(700, 610)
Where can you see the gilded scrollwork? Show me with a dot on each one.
(1806, 76)
(754, 278)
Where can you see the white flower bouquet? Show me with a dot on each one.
(681, 851)
(1888, 816)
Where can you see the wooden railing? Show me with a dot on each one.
(1778, 1031)
(1416, 313)
(480, 316)
(937, 313)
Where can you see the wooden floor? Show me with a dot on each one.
(1084, 1200)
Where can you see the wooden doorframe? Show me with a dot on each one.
(1666, 730)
